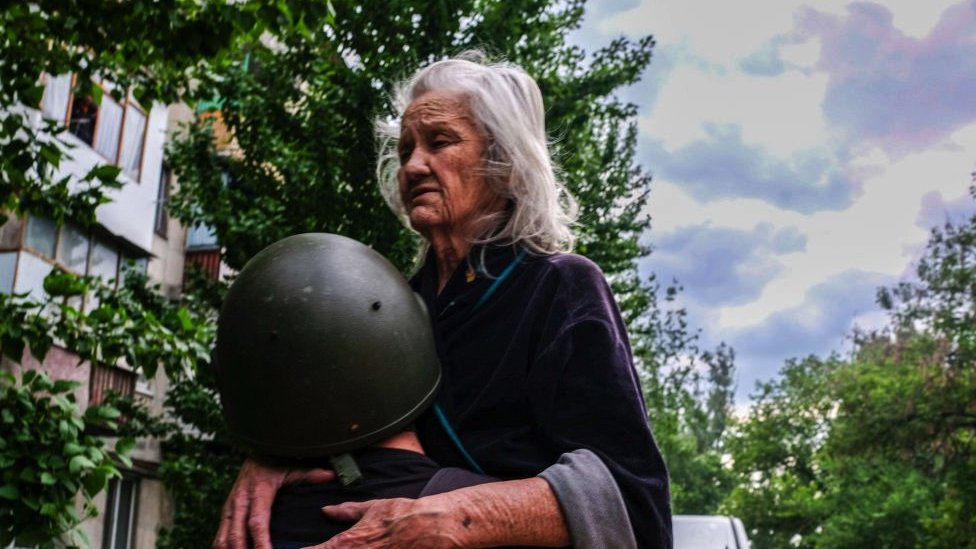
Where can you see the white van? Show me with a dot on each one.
(709, 532)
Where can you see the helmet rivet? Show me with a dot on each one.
(354, 427)
(377, 305)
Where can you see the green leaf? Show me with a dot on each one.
(63, 284)
(96, 94)
(9, 491)
(79, 463)
(72, 448)
(185, 321)
(51, 154)
(104, 172)
(29, 376)
(33, 95)
(107, 412)
(64, 385)
(125, 445)
(95, 482)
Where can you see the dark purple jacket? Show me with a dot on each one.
(542, 368)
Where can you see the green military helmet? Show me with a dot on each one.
(322, 348)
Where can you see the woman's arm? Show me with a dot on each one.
(515, 512)
(246, 514)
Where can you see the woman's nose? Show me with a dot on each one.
(416, 164)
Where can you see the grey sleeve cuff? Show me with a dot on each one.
(590, 501)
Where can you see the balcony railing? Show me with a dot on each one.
(207, 259)
(110, 378)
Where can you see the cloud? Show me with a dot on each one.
(766, 61)
(788, 240)
(723, 32)
(720, 266)
(818, 326)
(783, 114)
(890, 89)
(935, 211)
(723, 166)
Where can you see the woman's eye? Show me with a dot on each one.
(440, 142)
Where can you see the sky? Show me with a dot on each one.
(801, 152)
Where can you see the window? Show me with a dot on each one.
(77, 249)
(8, 271)
(84, 115)
(109, 128)
(120, 514)
(10, 232)
(133, 139)
(104, 261)
(73, 249)
(116, 130)
(162, 200)
(56, 97)
(42, 235)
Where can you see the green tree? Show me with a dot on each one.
(700, 406)
(876, 449)
(779, 483)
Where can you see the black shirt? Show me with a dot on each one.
(542, 368)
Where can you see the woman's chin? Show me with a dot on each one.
(423, 220)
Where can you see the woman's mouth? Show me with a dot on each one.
(421, 190)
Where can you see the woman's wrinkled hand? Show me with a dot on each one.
(394, 523)
(247, 511)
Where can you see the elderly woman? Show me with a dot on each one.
(539, 388)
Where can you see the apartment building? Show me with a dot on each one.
(133, 226)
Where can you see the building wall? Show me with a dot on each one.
(153, 502)
(167, 263)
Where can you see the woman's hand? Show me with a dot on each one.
(515, 512)
(394, 523)
(248, 506)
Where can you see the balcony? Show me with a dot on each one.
(110, 378)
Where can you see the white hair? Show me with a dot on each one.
(506, 104)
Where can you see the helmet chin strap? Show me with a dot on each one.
(346, 469)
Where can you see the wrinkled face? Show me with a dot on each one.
(441, 177)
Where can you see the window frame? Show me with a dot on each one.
(130, 102)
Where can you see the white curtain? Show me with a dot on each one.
(109, 126)
(132, 138)
(56, 95)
